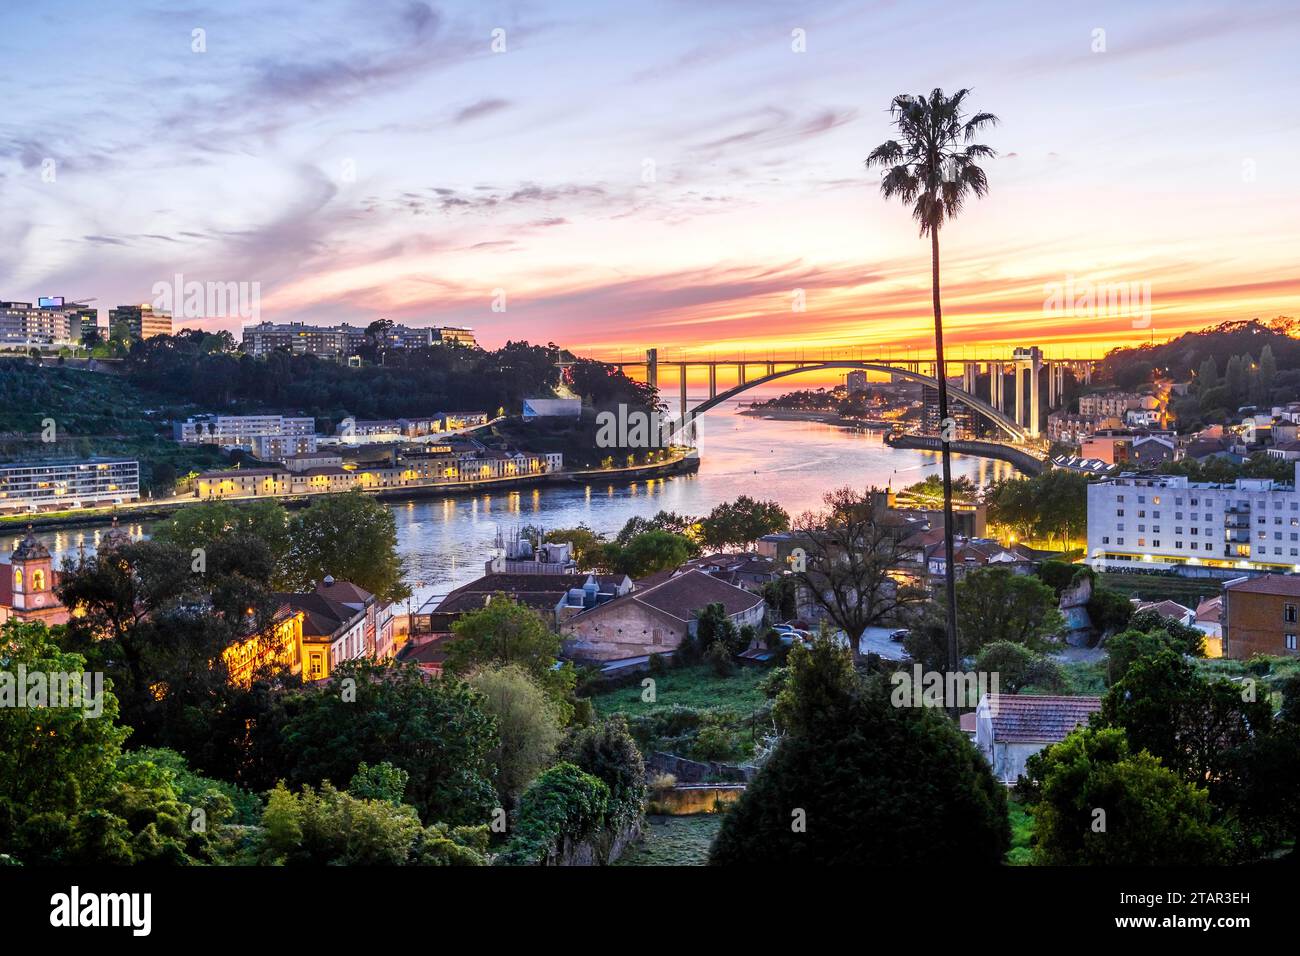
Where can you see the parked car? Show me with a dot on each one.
(899, 635)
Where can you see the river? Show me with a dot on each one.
(446, 541)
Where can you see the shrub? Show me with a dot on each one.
(562, 803)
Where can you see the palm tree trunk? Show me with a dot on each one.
(950, 570)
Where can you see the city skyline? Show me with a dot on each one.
(679, 178)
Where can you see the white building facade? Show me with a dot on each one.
(240, 430)
(1169, 522)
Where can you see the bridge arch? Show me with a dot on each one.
(1014, 431)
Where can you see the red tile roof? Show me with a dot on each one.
(1031, 719)
(1285, 585)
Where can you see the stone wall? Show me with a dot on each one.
(696, 771)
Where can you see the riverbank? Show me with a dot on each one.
(1022, 460)
(156, 509)
(804, 415)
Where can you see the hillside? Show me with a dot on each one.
(1181, 359)
(93, 414)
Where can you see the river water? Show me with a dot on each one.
(445, 542)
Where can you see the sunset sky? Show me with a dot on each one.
(653, 173)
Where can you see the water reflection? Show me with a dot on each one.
(446, 541)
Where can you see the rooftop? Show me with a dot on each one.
(1032, 719)
(1285, 585)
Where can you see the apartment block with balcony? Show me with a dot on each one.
(30, 486)
(1168, 522)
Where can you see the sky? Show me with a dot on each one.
(687, 176)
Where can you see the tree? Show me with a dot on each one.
(1096, 802)
(648, 553)
(607, 751)
(506, 632)
(564, 805)
(208, 524)
(933, 168)
(1191, 724)
(158, 629)
(434, 730)
(683, 525)
(1019, 668)
(351, 537)
(851, 562)
(860, 782)
(1208, 377)
(383, 781)
(742, 521)
(1266, 375)
(528, 726)
(335, 828)
(66, 795)
(781, 597)
(818, 679)
(995, 604)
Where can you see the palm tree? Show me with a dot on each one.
(932, 167)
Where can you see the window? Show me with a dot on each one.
(1119, 512)
(1290, 642)
(1288, 613)
(1178, 544)
(1105, 539)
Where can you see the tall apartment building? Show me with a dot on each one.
(1169, 522)
(241, 431)
(138, 322)
(959, 412)
(338, 342)
(24, 325)
(68, 483)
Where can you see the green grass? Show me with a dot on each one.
(695, 686)
(1022, 829)
(1159, 587)
(674, 841)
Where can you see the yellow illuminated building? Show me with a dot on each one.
(281, 646)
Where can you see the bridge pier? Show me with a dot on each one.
(713, 380)
(652, 367)
(682, 368)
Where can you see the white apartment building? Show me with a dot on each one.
(239, 431)
(58, 485)
(1168, 522)
(23, 325)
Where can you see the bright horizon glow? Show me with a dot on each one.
(377, 160)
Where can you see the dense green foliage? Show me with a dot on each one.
(434, 730)
(1095, 801)
(564, 804)
(528, 725)
(993, 605)
(1052, 506)
(858, 781)
(67, 793)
